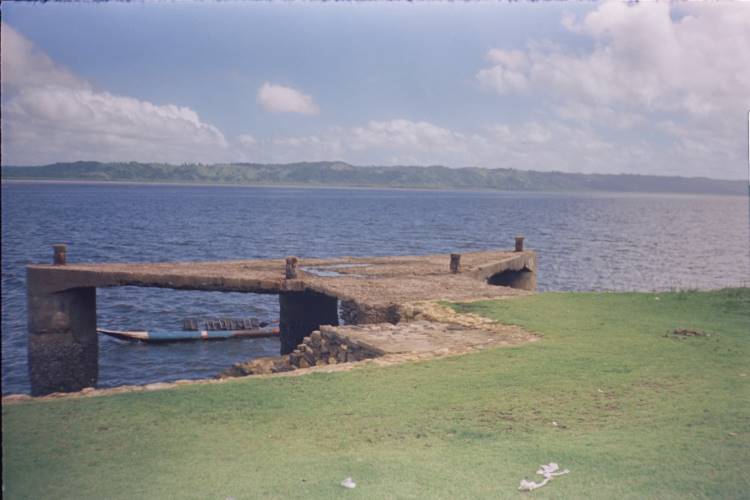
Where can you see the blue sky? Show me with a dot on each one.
(548, 86)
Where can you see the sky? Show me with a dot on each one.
(647, 88)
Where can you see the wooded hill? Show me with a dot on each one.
(339, 174)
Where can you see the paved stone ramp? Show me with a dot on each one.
(445, 333)
(421, 337)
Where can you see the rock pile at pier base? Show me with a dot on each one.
(321, 348)
(327, 347)
(438, 331)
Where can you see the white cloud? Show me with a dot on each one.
(642, 57)
(530, 145)
(390, 142)
(50, 114)
(507, 72)
(247, 140)
(280, 99)
(404, 142)
(611, 117)
(24, 65)
(649, 62)
(555, 146)
(398, 134)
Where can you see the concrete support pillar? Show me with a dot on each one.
(63, 349)
(301, 313)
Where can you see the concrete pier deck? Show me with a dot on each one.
(371, 279)
(312, 292)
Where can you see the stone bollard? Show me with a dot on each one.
(60, 254)
(519, 243)
(291, 268)
(455, 262)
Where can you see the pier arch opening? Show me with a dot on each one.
(301, 313)
(523, 279)
(297, 313)
(162, 312)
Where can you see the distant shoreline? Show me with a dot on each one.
(340, 175)
(358, 188)
(273, 186)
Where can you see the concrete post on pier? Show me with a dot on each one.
(455, 265)
(59, 256)
(63, 349)
(301, 313)
(290, 272)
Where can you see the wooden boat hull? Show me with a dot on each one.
(187, 336)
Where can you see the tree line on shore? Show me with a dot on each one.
(340, 174)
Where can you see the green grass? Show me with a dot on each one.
(640, 413)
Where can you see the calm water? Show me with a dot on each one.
(584, 241)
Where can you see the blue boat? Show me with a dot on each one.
(160, 336)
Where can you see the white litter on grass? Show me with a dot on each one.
(348, 483)
(548, 471)
(531, 485)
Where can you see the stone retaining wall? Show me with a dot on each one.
(355, 313)
(327, 347)
(322, 347)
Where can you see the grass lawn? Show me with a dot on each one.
(639, 413)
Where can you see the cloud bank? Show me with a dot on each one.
(672, 73)
(531, 145)
(50, 115)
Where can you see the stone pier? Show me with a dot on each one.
(62, 338)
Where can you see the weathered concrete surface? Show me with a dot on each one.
(63, 349)
(416, 337)
(371, 290)
(393, 278)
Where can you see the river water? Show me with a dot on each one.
(591, 241)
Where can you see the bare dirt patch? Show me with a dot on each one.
(684, 333)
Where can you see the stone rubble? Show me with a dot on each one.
(327, 347)
(432, 330)
(323, 347)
